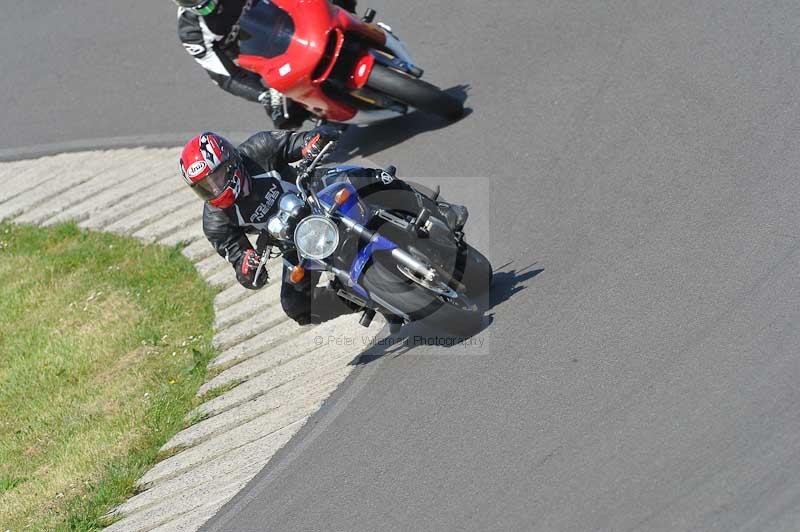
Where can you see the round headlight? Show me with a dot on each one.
(316, 237)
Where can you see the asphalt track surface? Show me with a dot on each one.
(641, 364)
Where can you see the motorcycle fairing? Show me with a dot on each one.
(313, 49)
(351, 208)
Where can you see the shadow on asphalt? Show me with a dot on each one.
(365, 141)
(414, 335)
(505, 284)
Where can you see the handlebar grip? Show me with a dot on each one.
(311, 156)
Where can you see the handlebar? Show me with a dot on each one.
(307, 165)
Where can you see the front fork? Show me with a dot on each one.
(375, 242)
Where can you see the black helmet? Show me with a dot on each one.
(200, 7)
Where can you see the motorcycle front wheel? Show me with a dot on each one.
(474, 271)
(436, 304)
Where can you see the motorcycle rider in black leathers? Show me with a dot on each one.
(209, 30)
(241, 187)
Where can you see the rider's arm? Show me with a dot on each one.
(275, 148)
(200, 43)
(228, 239)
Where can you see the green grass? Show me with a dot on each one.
(103, 344)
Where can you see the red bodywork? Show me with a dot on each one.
(320, 33)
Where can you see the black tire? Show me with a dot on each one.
(415, 92)
(475, 271)
(420, 304)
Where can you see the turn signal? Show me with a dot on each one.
(297, 274)
(360, 76)
(341, 197)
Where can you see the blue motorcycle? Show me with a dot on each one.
(386, 248)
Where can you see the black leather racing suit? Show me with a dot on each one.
(213, 42)
(266, 156)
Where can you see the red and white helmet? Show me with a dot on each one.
(212, 166)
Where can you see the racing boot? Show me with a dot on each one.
(285, 113)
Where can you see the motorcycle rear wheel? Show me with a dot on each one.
(415, 92)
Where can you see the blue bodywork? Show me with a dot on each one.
(357, 211)
(378, 243)
(352, 208)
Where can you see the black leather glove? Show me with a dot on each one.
(246, 270)
(318, 138)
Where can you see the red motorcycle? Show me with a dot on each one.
(339, 67)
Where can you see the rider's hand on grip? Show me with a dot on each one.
(318, 138)
(246, 270)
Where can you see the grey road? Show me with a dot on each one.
(642, 359)
(88, 70)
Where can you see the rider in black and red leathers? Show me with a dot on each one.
(244, 199)
(241, 187)
(209, 31)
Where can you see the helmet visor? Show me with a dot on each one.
(215, 183)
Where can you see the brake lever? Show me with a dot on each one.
(307, 172)
(310, 162)
(261, 264)
(264, 251)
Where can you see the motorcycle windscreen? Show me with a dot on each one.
(266, 30)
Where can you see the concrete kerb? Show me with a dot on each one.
(57, 181)
(131, 201)
(254, 430)
(110, 199)
(210, 265)
(77, 196)
(250, 327)
(275, 412)
(181, 237)
(146, 209)
(305, 342)
(198, 250)
(261, 395)
(190, 214)
(255, 345)
(284, 376)
(248, 307)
